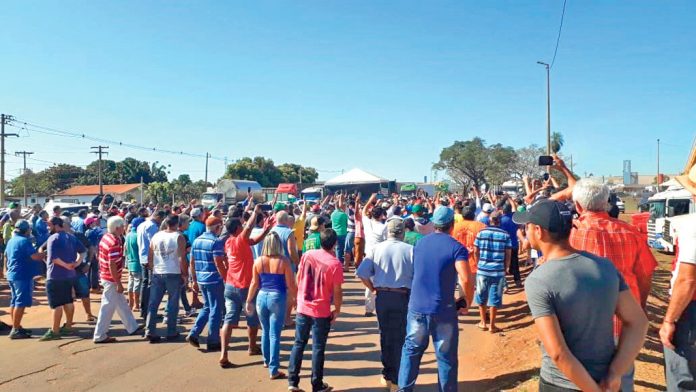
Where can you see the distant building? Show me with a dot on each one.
(85, 194)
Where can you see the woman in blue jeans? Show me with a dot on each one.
(272, 276)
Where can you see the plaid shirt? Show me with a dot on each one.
(618, 241)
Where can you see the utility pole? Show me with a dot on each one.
(548, 106)
(24, 172)
(657, 179)
(100, 151)
(142, 190)
(571, 163)
(206, 169)
(4, 118)
(299, 174)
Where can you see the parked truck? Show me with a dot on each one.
(230, 192)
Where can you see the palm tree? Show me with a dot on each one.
(556, 142)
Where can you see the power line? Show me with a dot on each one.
(558, 38)
(26, 125)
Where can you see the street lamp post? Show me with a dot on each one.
(548, 106)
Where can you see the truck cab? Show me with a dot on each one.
(668, 210)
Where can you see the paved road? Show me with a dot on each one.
(352, 360)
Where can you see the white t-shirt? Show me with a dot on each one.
(687, 246)
(375, 232)
(165, 249)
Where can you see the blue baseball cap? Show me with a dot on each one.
(22, 225)
(442, 216)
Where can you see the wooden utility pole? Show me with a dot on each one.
(100, 151)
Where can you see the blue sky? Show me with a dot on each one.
(380, 85)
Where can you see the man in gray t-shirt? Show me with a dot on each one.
(573, 297)
(581, 290)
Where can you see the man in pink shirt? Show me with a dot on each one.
(319, 279)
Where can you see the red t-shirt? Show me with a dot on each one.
(318, 273)
(240, 262)
(110, 250)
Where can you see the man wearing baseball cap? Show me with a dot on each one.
(581, 292)
(207, 269)
(679, 325)
(21, 257)
(387, 271)
(437, 261)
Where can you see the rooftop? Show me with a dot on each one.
(83, 190)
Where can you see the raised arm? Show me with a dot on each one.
(567, 193)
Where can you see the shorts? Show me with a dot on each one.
(235, 301)
(81, 285)
(135, 282)
(21, 293)
(489, 290)
(59, 292)
(350, 242)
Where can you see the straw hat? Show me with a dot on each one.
(688, 180)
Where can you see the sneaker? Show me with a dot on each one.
(50, 335)
(19, 334)
(369, 314)
(192, 340)
(325, 388)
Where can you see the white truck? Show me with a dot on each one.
(230, 192)
(668, 210)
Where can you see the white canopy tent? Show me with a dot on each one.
(354, 177)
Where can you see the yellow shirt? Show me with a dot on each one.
(298, 228)
(458, 218)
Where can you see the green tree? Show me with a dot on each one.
(48, 181)
(527, 162)
(290, 173)
(472, 162)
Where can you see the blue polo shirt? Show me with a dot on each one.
(434, 275)
(20, 266)
(203, 252)
(195, 230)
(510, 227)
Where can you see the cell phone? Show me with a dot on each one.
(266, 207)
(545, 177)
(545, 160)
(248, 190)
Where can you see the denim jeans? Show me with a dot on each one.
(545, 386)
(443, 329)
(213, 307)
(270, 306)
(320, 332)
(145, 292)
(392, 309)
(680, 363)
(341, 248)
(161, 283)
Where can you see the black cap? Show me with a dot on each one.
(550, 215)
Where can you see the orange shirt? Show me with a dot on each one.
(465, 232)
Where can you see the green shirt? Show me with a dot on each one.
(339, 222)
(313, 241)
(132, 252)
(7, 231)
(411, 237)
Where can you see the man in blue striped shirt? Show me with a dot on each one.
(207, 271)
(493, 249)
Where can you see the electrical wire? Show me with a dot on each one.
(558, 38)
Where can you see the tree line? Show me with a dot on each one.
(475, 163)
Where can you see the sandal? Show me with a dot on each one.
(226, 364)
(279, 376)
(91, 318)
(482, 327)
(110, 339)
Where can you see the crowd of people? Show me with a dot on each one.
(424, 261)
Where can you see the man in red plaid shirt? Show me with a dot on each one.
(595, 232)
